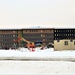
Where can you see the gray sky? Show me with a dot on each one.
(45, 13)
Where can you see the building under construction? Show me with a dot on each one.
(61, 38)
(36, 35)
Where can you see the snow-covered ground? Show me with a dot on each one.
(37, 67)
(46, 54)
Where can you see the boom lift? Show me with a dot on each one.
(29, 43)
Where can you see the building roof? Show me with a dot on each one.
(37, 27)
(19, 28)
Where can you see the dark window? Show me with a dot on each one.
(66, 42)
(74, 42)
(71, 40)
(58, 40)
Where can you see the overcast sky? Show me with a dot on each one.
(45, 13)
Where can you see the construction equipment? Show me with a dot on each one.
(29, 43)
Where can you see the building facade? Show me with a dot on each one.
(64, 39)
(44, 35)
(8, 36)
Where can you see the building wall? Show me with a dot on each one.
(20, 33)
(64, 44)
(45, 35)
(65, 33)
(34, 35)
(7, 38)
(62, 35)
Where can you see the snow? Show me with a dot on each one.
(37, 67)
(46, 54)
(58, 62)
